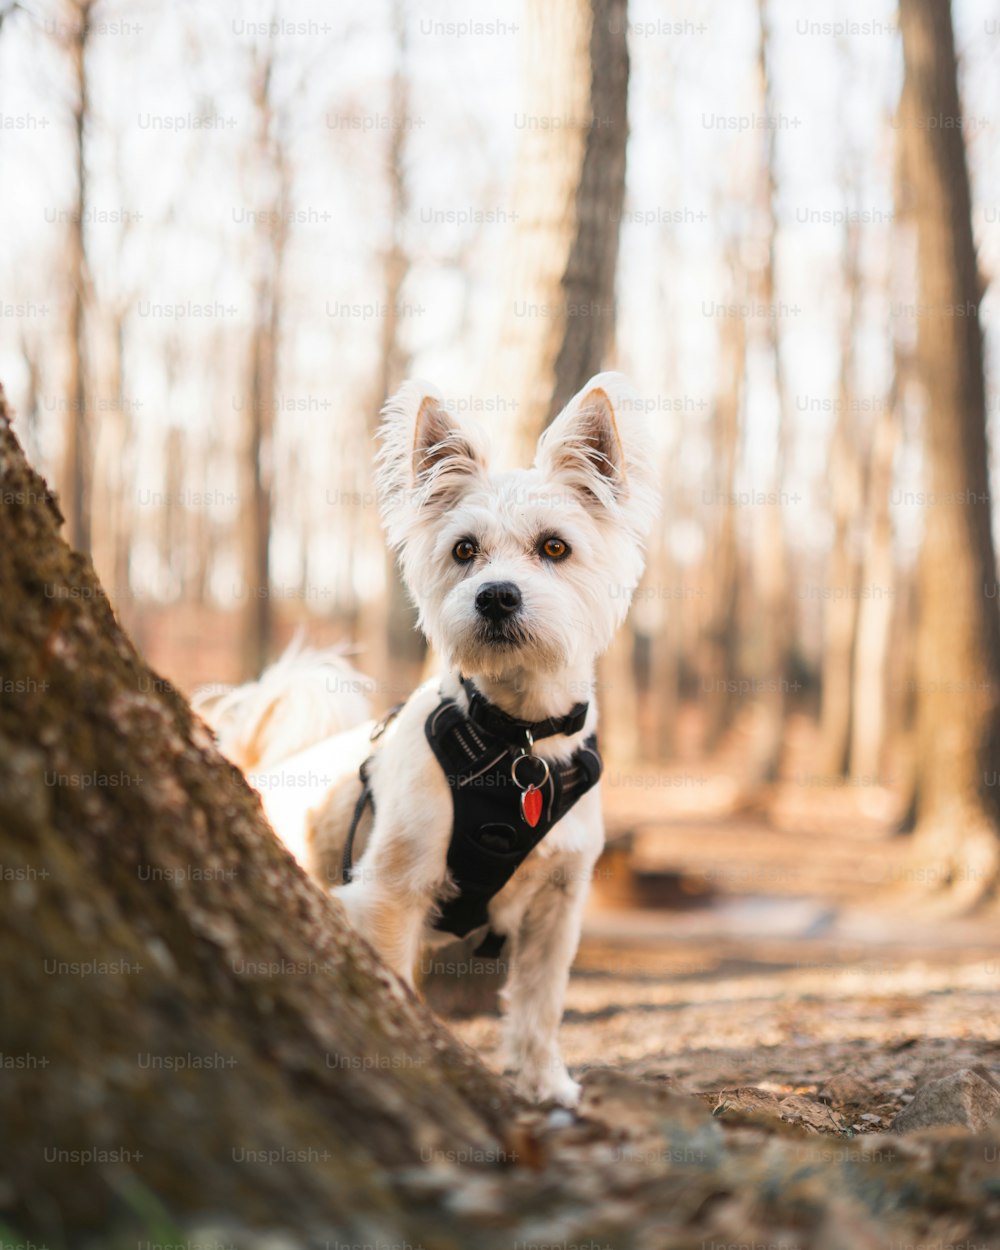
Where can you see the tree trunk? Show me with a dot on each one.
(876, 606)
(879, 692)
(176, 998)
(559, 309)
(272, 172)
(405, 648)
(840, 609)
(720, 641)
(619, 701)
(958, 640)
(77, 452)
(771, 554)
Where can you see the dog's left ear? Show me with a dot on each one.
(599, 446)
(426, 459)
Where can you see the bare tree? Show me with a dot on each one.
(958, 640)
(273, 174)
(771, 545)
(882, 602)
(720, 636)
(559, 304)
(77, 461)
(403, 645)
(876, 607)
(840, 614)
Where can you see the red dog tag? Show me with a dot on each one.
(531, 805)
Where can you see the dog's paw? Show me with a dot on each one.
(551, 1085)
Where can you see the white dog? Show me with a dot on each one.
(481, 805)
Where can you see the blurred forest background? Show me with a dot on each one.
(239, 227)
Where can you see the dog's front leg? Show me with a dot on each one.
(396, 880)
(542, 949)
(391, 894)
(390, 919)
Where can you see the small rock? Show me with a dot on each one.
(963, 1098)
(813, 1115)
(747, 1099)
(845, 1090)
(478, 1198)
(981, 1070)
(618, 1098)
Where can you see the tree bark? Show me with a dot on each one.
(255, 522)
(771, 553)
(720, 639)
(876, 607)
(840, 614)
(174, 992)
(559, 306)
(958, 640)
(77, 451)
(404, 647)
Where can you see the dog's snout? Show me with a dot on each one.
(496, 600)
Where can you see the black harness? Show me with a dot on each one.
(504, 798)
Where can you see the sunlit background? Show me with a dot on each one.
(261, 180)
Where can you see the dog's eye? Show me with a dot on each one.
(555, 549)
(464, 550)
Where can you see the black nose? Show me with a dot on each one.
(496, 600)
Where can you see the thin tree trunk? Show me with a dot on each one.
(272, 172)
(771, 554)
(876, 607)
(720, 640)
(558, 313)
(840, 613)
(405, 648)
(124, 477)
(880, 693)
(618, 699)
(661, 622)
(173, 518)
(958, 642)
(77, 451)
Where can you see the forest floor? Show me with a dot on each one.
(758, 994)
(778, 947)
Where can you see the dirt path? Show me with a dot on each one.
(707, 998)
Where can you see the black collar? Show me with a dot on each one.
(496, 721)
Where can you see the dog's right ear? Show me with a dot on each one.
(426, 461)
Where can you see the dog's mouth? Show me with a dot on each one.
(493, 646)
(503, 635)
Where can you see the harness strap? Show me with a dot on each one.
(491, 945)
(364, 799)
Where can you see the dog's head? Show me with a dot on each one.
(527, 570)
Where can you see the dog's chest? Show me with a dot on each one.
(504, 803)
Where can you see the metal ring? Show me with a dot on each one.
(537, 759)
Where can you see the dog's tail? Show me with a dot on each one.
(305, 696)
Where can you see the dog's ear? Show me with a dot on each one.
(426, 461)
(599, 447)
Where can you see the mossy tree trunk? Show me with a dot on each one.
(177, 1001)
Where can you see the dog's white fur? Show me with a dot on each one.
(305, 696)
(591, 485)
